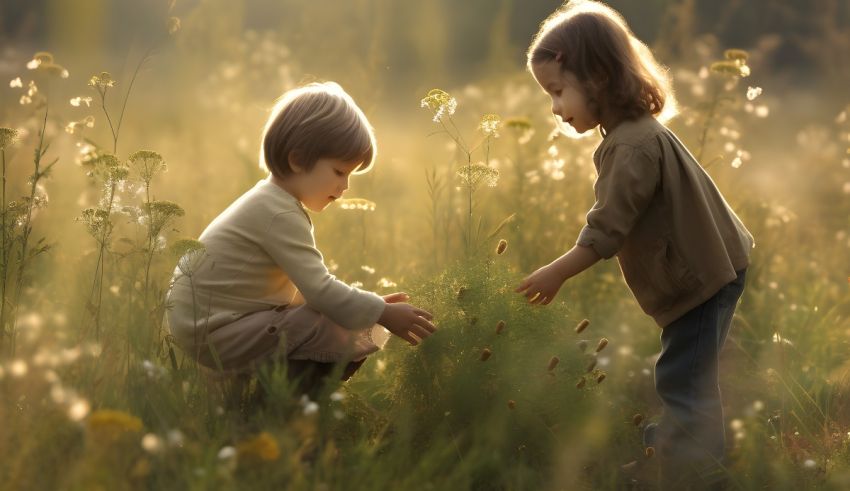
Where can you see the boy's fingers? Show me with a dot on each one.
(422, 322)
(419, 331)
(522, 286)
(409, 338)
(424, 313)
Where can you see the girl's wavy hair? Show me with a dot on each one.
(317, 120)
(617, 71)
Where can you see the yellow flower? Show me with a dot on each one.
(262, 447)
(102, 82)
(490, 124)
(106, 426)
(475, 174)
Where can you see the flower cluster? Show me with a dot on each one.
(475, 174)
(440, 103)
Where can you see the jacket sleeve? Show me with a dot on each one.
(289, 241)
(626, 183)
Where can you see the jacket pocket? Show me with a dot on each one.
(679, 278)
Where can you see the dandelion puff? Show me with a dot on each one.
(582, 326)
(501, 247)
(485, 354)
(602, 344)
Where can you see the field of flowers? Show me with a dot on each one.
(110, 174)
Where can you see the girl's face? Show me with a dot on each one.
(568, 99)
(321, 185)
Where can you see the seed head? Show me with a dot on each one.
(503, 244)
(553, 362)
(602, 344)
(475, 174)
(650, 452)
(490, 124)
(500, 326)
(8, 137)
(485, 354)
(582, 326)
(581, 383)
(600, 377)
(637, 419)
(440, 103)
(511, 404)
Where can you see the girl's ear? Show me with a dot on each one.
(292, 161)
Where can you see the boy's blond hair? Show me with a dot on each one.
(317, 120)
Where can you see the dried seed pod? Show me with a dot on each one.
(500, 326)
(602, 344)
(553, 362)
(600, 377)
(485, 354)
(511, 404)
(503, 244)
(637, 419)
(581, 383)
(582, 326)
(650, 452)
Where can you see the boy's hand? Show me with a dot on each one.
(407, 322)
(396, 297)
(542, 285)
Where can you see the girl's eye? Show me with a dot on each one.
(339, 173)
(557, 93)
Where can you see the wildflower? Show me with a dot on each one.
(106, 426)
(490, 124)
(356, 204)
(582, 326)
(581, 383)
(8, 137)
(262, 447)
(102, 82)
(500, 248)
(151, 443)
(753, 92)
(733, 68)
(602, 344)
(553, 362)
(511, 404)
(173, 25)
(475, 174)
(77, 101)
(485, 354)
(147, 164)
(386, 283)
(637, 419)
(736, 162)
(440, 102)
(96, 221)
(500, 326)
(16, 83)
(161, 213)
(736, 55)
(78, 409)
(368, 269)
(18, 368)
(189, 252)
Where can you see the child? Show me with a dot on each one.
(682, 250)
(261, 263)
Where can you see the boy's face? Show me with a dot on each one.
(568, 99)
(323, 184)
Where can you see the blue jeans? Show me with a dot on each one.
(691, 433)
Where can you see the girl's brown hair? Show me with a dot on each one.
(318, 120)
(618, 73)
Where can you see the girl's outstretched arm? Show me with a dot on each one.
(541, 286)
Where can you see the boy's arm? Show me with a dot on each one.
(542, 285)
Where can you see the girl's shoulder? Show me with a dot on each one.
(638, 133)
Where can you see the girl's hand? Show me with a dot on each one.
(407, 322)
(542, 285)
(396, 297)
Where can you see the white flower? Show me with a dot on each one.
(79, 409)
(227, 453)
(337, 396)
(16, 83)
(753, 92)
(151, 443)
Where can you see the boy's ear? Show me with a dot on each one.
(293, 162)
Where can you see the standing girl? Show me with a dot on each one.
(682, 250)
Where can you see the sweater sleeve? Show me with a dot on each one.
(627, 181)
(289, 241)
